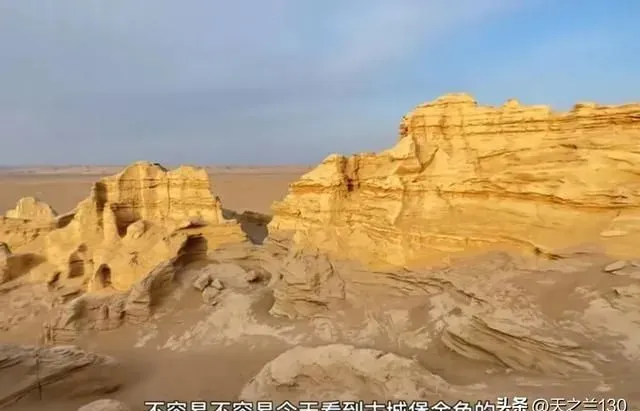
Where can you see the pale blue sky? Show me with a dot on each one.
(285, 81)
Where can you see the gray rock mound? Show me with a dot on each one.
(344, 372)
(104, 405)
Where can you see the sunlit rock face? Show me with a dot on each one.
(129, 223)
(464, 177)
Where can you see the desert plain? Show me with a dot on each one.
(489, 252)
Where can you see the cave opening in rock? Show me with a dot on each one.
(124, 215)
(123, 226)
(104, 276)
(194, 248)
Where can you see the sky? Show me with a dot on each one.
(286, 81)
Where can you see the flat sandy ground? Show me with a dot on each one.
(239, 188)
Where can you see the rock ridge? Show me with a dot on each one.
(466, 177)
(141, 224)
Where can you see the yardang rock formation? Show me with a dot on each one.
(128, 238)
(130, 223)
(466, 177)
(137, 219)
(30, 208)
(478, 186)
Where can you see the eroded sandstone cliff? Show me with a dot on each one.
(523, 188)
(137, 219)
(143, 221)
(30, 208)
(466, 177)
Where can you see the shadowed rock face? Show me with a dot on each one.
(35, 373)
(467, 177)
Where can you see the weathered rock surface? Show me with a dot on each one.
(104, 405)
(32, 373)
(210, 295)
(88, 312)
(122, 244)
(343, 372)
(29, 221)
(202, 281)
(307, 282)
(130, 223)
(13, 266)
(30, 208)
(108, 310)
(20, 234)
(229, 273)
(465, 177)
(5, 273)
(148, 192)
(148, 291)
(615, 266)
(135, 220)
(5, 251)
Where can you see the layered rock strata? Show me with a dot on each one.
(30, 208)
(41, 374)
(116, 241)
(467, 177)
(380, 233)
(128, 225)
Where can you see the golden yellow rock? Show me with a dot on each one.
(30, 208)
(464, 177)
(147, 191)
(129, 224)
(28, 221)
(18, 233)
